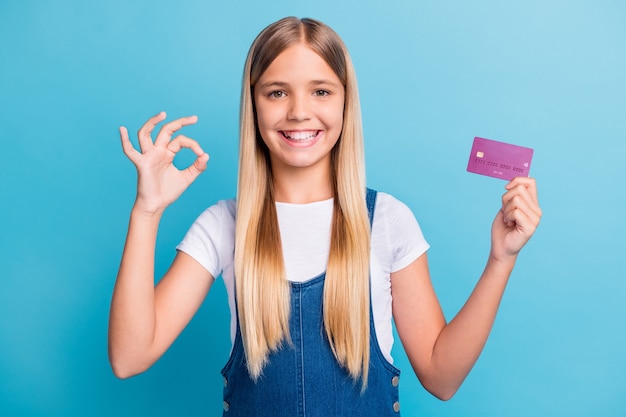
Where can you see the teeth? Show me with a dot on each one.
(300, 135)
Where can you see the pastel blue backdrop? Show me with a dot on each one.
(550, 75)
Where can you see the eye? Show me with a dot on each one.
(321, 93)
(276, 94)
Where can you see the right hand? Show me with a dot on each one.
(159, 182)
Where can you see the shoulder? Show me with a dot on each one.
(389, 207)
(210, 239)
(214, 226)
(397, 237)
(226, 208)
(387, 199)
(220, 212)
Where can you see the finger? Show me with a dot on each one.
(529, 208)
(182, 141)
(168, 130)
(526, 223)
(197, 167)
(527, 182)
(522, 186)
(129, 150)
(519, 207)
(523, 194)
(145, 140)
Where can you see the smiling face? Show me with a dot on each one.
(299, 106)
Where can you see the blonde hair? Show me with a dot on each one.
(263, 291)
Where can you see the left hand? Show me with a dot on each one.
(517, 220)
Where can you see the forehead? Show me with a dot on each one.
(299, 62)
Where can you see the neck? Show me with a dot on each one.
(302, 186)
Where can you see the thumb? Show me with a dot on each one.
(199, 165)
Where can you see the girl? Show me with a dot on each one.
(314, 264)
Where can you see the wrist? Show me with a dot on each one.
(501, 262)
(142, 211)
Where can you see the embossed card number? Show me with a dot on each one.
(499, 159)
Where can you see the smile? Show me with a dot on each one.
(300, 135)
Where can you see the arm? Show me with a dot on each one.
(442, 354)
(145, 320)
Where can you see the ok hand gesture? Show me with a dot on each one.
(159, 182)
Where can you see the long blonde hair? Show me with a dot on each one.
(263, 291)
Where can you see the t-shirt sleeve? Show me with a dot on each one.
(204, 239)
(404, 234)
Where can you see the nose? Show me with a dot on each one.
(298, 108)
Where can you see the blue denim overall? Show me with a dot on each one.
(305, 379)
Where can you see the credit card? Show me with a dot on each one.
(499, 159)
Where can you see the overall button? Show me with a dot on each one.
(395, 381)
(225, 382)
(227, 406)
(396, 407)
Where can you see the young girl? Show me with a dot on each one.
(315, 265)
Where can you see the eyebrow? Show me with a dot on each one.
(282, 84)
(272, 84)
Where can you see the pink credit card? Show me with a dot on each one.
(499, 159)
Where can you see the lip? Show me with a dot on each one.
(301, 138)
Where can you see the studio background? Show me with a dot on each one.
(550, 75)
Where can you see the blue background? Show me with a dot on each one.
(550, 75)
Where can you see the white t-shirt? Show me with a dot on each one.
(397, 241)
